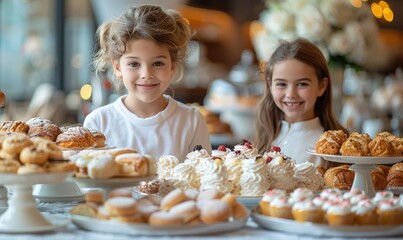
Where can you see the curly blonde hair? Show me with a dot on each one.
(166, 27)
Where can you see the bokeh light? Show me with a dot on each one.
(86, 91)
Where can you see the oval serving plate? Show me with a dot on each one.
(99, 225)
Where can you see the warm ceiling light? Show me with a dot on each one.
(383, 4)
(376, 10)
(388, 14)
(86, 91)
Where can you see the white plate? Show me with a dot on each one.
(100, 225)
(112, 182)
(354, 159)
(323, 230)
(49, 199)
(37, 178)
(396, 190)
(57, 222)
(249, 201)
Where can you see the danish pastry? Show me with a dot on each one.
(395, 178)
(356, 145)
(379, 180)
(75, 138)
(44, 130)
(330, 142)
(381, 146)
(396, 166)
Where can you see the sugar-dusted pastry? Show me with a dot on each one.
(99, 138)
(330, 142)
(381, 146)
(75, 138)
(356, 145)
(43, 128)
(14, 126)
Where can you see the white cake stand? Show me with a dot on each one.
(362, 166)
(22, 215)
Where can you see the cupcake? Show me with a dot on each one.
(280, 208)
(307, 212)
(340, 215)
(365, 212)
(381, 196)
(389, 212)
(352, 193)
(301, 195)
(267, 198)
(330, 193)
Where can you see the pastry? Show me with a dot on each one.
(389, 212)
(239, 210)
(121, 206)
(307, 212)
(365, 212)
(14, 143)
(102, 167)
(171, 199)
(99, 138)
(339, 177)
(379, 180)
(94, 196)
(120, 192)
(9, 166)
(280, 208)
(30, 169)
(330, 142)
(53, 151)
(340, 214)
(57, 166)
(395, 179)
(14, 126)
(75, 138)
(162, 218)
(186, 210)
(208, 194)
(33, 155)
(381, 146)
(214, 211)
(269, 196)
(384, 169)
(84, 210)
(43, 128)
(396, 166)
(133, 164)
(356, 145)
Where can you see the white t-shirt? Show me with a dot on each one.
(294, 138)
(175, 131)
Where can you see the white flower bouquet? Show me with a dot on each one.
(346, 35)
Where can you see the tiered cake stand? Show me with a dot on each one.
(22, 215)
(363, 166)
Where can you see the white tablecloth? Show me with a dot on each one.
(250, 231)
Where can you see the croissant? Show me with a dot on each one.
(395, 178)
(44, 130)
(397, 143)
(14, 126)
(384, 169)
(379, 180)
(381, 146)
(339, 177)
(396, 166)
(356, 145)
(330, 142)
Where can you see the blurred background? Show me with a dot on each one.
(46, 48)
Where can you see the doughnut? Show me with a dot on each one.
(51, 148)
(172, 198)
(211, 193)
(9, 166)
(14, 143)
(94, 196)
(214, 210)
(33, 155)
(120, 192)
(162, 218)
(30, 169)
(121, 206)
(186, 210)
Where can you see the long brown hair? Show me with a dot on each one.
(269, 116)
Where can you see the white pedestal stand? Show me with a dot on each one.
(363, 178)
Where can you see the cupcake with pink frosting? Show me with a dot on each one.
(268, 197)
(365, 212)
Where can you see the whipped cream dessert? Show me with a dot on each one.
(166, 164)
(254, 180)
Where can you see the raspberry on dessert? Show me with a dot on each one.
(275, 149)
(244, 141)
(222, 148)
(248, 145)
(268, 159)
